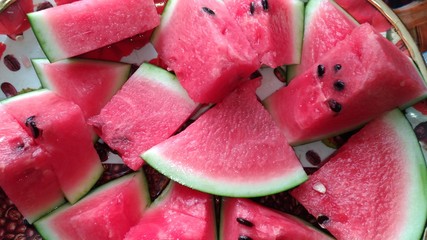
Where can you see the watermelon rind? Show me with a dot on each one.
(166, 16)
(46, 225)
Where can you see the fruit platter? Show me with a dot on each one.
(207, 119)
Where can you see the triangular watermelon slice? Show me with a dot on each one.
(374, 187)
(178, 213)
(234, 149)
(88, 83)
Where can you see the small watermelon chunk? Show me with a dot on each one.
(202, 43)
(243, 218)
(374, 186)
(234, 149)
(106, 213)
(88, 83)
(59, 128)
(26, 175)
(341, 92)
(149, 108)
(325, 24)
(178, 213)
(79, 27)
(273, 28)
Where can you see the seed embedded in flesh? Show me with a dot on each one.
(320, 70)
(208, 11)
(244, 237)
(322, 220)
(252, 8)
(244, 222)
(339, 85)
(319, 187)
(334, 105)
(30, 122)
(337, 67)
(264, 5)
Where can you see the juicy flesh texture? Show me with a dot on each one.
(208, 52)
(369, 184)
(267, 223)
(370, 89)
(274, 33)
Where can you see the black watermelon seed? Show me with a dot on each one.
(322, 220)
(30, 122)
(11, 63)
(8, 89)
(264, 5)
(208, 11)
(320, 70)
(244, 222)
(252, 8)
(339, 85)
(334, 105)
(255, 75)
(244, 237)
(313, 157)
(337, 67)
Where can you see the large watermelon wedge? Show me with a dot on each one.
(374, 187)
(79, 27)
(234, 149)
(342, 91)
(178, 213)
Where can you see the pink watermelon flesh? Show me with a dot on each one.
(26, 175)
(179, 213)
(149, 108)
(273, 29)
(210, 57)
(88, 83)
(62, 133)
(243, 218)
(325, 25)
(79, 27)
(234, 149)
(106, 213)
(371, 77)
(364, 12)
(374, 187)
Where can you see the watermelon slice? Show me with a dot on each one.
(234, 149)
(210, 57)
(273, 28)
(149, 108)
(178, 213)
(59, 129)
(342, 91)
(242, 218)
(374, 187)
(26, 175)
(325, 24)
(106, 213)
(88, 83)
(72, 29)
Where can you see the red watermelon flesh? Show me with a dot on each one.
(75, 28)
(58, 127)
(243, 218)
(106, 213)
(88, 83)
(149, 108)
(274, 28)
(179, 213)
(26, 175)
(325, 24)
(374, 187)
(209, 58)
(234, 149)
(373, 76)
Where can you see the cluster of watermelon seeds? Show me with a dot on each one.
(338, 85)
(31, 124)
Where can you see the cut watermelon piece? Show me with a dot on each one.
(234, 149)
(59, 128)
(343, 91)
(242, 218)
(374, 187)
(178, 213)
(149, 108)
(26, 175)
(325, 24)
(106, 213)
(273, 28)
(88, 83)
(79, 27)
(202, 43)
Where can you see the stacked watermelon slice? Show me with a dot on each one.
(200, 123)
